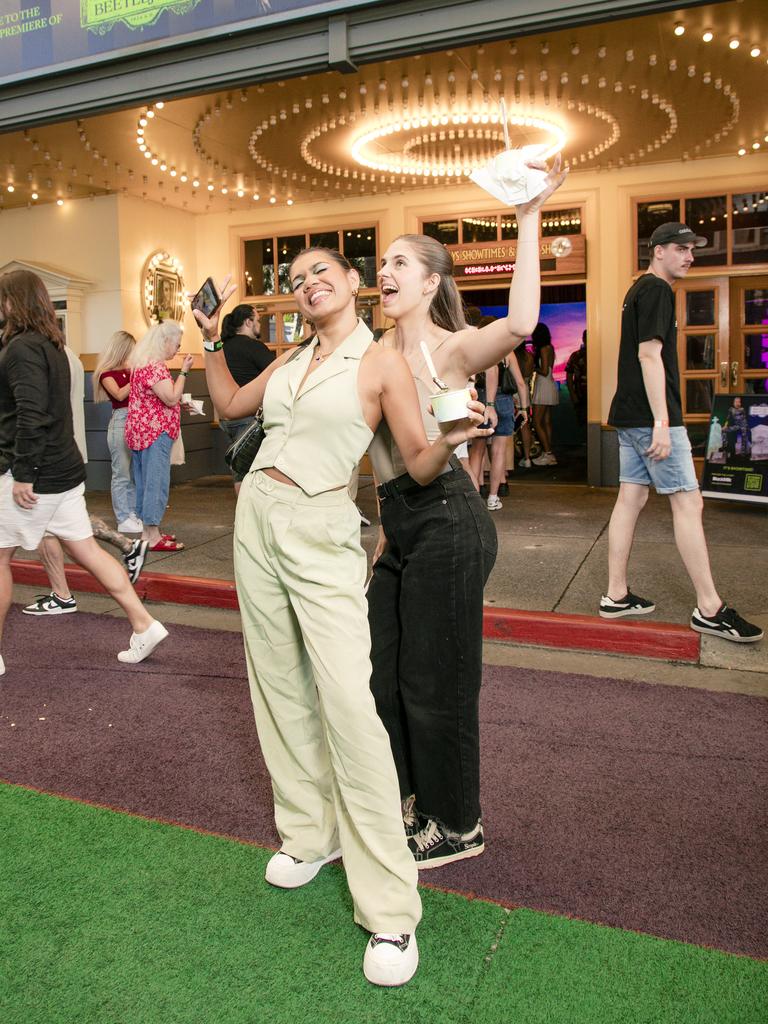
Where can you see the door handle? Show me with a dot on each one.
(723, 375)
(734, 375)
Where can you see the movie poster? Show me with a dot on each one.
(736, 462)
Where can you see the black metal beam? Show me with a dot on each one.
(361, 35)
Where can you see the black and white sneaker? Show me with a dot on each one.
(433, 845)
(390, 959)
(630, 604)
(411, 822)
(134, 559)
(728, 624)
(51, 604)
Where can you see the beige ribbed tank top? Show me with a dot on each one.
(317, 435)
(384, 454)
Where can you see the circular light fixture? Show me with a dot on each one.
(679, 28)
(734, 44)
(742, 151)
(755, 51)
(160, 104)
(35, 195)
(11, 188)
(708, 36)
(290, 201)
(272, 199)
(561, 247)
(59, 202)
(256, 197)
(195, 183)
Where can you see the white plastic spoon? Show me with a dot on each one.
(431, 367)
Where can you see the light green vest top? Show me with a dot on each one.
(317, 435)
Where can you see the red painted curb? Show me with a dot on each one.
(544, 629)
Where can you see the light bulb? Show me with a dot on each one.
(679, 28)
(708, 36)
(734, 44)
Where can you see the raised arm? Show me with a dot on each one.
(232, 402)
(170, 391)
(474, 350)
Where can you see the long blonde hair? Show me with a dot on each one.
(151, 348)
(114, 356)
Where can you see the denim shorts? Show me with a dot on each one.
(675, 473)
(505, 410)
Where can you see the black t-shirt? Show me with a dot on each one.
(648, 313)
(246, 358)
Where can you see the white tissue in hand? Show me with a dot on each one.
(508, 178)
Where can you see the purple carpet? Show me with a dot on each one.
(633, 805)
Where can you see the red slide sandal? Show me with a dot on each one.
(166, 544)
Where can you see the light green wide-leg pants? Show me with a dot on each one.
(300, 572)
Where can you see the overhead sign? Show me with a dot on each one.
(736, 463)
(56, 35)
(497, 259)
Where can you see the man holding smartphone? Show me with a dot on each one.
(653, 442)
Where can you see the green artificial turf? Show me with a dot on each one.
(107, 918)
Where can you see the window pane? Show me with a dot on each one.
(360, 250)
(700, 352)
(268, 328)
(698, 396)
(445, 231)
(508, 228)
(561, 222)
(699, 309)
(366, 315)
(756, 386)
(756, 306)
(288, 248)
(708, 218)
(259, 272)
(325, 239)
(292, 324)
(755, 351)
(478, 229)
(650, 216)
(750, 227)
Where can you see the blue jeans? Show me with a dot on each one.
(425, 608)
(668, 476)
(123, 491)
(152, 473)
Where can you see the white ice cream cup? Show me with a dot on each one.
(451, 405)
(186, 397)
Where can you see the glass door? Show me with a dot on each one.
(748, 356)
(702, 339)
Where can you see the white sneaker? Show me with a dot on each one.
(130, 525)
(142, 644)
(287, 872)
(545, 459)
(2, 666)
(494, 503)
(524, 463)
(390, 959)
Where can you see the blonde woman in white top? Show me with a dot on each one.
(300, 572)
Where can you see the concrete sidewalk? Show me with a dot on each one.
(552, 552)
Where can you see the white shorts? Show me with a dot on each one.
(63, 515)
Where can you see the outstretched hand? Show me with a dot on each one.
(555, 178)
(209, 325)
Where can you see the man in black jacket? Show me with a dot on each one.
(42, 473)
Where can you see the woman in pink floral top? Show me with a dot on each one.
(153, 425)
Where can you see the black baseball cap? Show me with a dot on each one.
(673, 231)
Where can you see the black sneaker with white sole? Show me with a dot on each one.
(134, 559)
(630, 604)
(728, 624)
(433, 845)
(51, 604)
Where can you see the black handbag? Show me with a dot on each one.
(507, 382)
(241, 453)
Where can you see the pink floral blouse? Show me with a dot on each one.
(148, 416)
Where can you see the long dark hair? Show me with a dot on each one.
(26, 306)
(233, 321)
(446, 309)
(541, 337)
(332, 254)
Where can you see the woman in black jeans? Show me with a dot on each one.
(437, 547)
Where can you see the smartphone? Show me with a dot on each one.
(520, 418)
(207, 299)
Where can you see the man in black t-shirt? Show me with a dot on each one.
(653, 443)
(246, 358)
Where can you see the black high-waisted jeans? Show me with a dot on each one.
(425, 608)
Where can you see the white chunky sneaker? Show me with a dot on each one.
(390, 959)
(130, 525)
(142, 644)
(288, 872)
